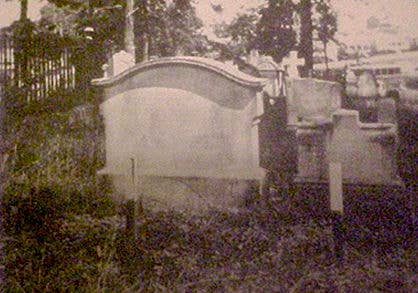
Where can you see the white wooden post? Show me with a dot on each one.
(337, 207)
(336, 188)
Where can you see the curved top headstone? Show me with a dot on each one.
(220, 82)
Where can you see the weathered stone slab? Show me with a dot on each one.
(312, 100)
(367, 152)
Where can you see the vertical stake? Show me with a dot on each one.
(133, 170)
(130, 209)
(130, 218)
(337, 208)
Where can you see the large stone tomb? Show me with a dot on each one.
(180, 134)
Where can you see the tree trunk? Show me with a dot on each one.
(326, 60)
(306, 29)
(145, 53)
(23, 9)
(129, 28)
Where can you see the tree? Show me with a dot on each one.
(129, 33)
(326, 25)
(241, 31)
(183, 29)
(23, 9)
(275, 34)
(149, 23)
(306, 34)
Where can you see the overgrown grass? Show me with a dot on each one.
(63, 232)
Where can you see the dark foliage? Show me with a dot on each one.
(275, 34)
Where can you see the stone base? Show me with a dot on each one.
(187, 194)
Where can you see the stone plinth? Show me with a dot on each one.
(312, 140)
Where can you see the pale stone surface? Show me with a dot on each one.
(270, 70)
(312, 151)
(312, 99)
(292, 63)
(171, 132)
(194, 195)
(367, 152)
(367, 85)
(351, 83)
(122, 61)
(176, 127)
(336, 187)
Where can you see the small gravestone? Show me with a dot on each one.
(311, 103)
(312, 99)
(367, 152)
(270, 70)
(292, 64)
(122, 61)
(366, 99)
(351, 83)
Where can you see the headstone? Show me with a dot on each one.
(292, 63)
(312, 99)
(367, 152)
(351, 83)
(382, 88)
(270, 70)
(122, 61)
(367, 85)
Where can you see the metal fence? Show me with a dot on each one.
(37, 64)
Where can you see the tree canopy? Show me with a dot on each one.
(275, 35)
(161, 27)
(271, 29)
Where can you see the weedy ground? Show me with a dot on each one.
(62, 232)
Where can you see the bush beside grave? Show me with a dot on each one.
(50, 179)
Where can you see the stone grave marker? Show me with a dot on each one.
(180, 133)
(312, 100)
(122, 61)
(292, 63)
(366, 151)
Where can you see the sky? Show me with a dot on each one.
(399, 15)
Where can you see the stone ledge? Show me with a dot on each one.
(226, 70)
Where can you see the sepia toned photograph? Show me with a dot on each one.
(208, 145)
